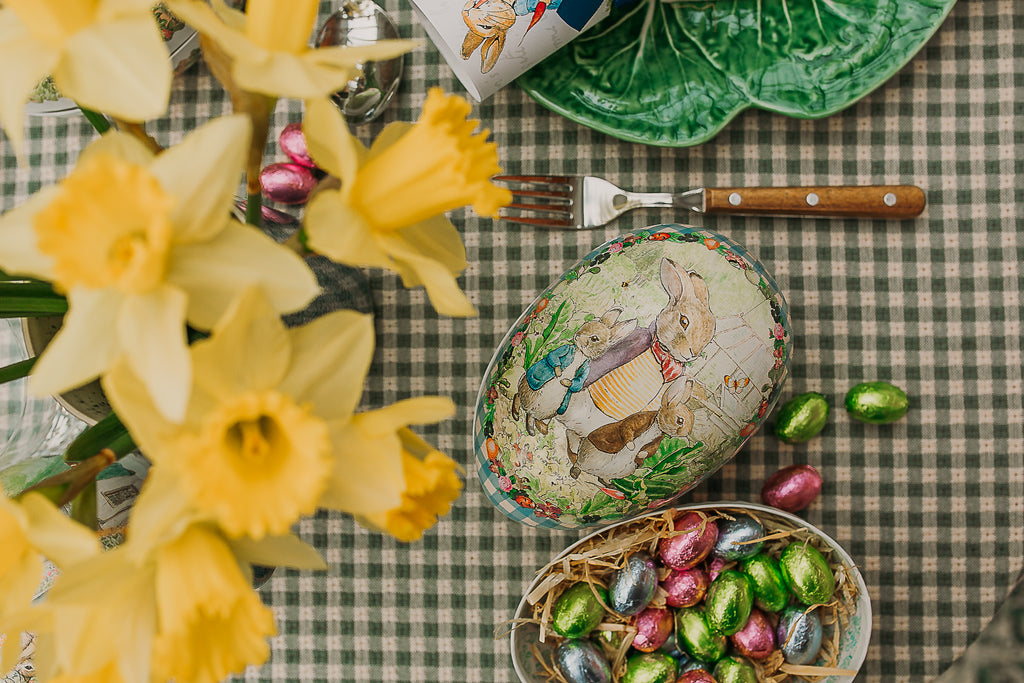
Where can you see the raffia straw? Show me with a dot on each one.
(543, 587)
(822, 671)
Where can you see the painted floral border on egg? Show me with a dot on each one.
(533, 465)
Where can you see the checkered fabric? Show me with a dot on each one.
(931, 508)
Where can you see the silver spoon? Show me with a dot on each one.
(363, 22)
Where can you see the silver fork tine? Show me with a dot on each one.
(556, 188)
(541, 222)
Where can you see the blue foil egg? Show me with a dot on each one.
(735, 536)
(633, 586)
(580, 661)
(798, 634)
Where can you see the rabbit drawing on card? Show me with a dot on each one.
(488, 22)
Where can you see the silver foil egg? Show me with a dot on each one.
(798, 634)
(580, 661)
(736, 536)
(633, 586)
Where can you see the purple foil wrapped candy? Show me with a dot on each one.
(690, 547)
(792, 488)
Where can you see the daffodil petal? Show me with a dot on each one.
(278, 551)
(85, 345)
(330, 358)
(230, 37)
(411, 411)
(367, 477)
(132, 403)
(391, 134)
(109, 10)
(341, 233)
(121, 68)
(19, 252)
(59, 538)
(23, 62)
(214, 272)
(435, 276)
(151, 329)
(248, 351)
(329, 141)
(204, 168)
(119, 145)
(160, 514)
(234, 18)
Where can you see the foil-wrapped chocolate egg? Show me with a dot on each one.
(577, 610)
(734, 670)
(632, 587)
(770, 593)
(293, 143)
(608, 642)
(696, 665)
(580, 661)
(757, 639)
(716, 565)
(287, 183)
(695, 637)
(672, 649)
(653, 627)
(798, 634)
(650, 667)
(807, 574)
(685, 587)
(877, 402)
(696, 676)
(801, 418)
(737, 538)
(694, 539)
(728, 602)
(792, 488)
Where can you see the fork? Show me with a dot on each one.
(583, 202)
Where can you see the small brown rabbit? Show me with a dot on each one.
(488, 22)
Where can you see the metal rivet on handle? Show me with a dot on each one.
(735, 199)
(889, 199)
(812, 199)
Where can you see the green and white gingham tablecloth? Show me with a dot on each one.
(931, 508)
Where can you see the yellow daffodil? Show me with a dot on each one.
(389, 211)
(431, 485)
(269, 434)
(268, 46)
(107, 55)
(30, 529)
(142, 244)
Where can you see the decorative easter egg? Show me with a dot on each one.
(728, 602)
(637, 374)
(798, 634)
(633, 586)
(694, 538)
(770, 593)
(650, 667)
(671, 646)
(734, 670)
(685, 587)
(287, 183)
(695, 637)
(757, 638)
(697, 665)
(801, 417)
(577, 611)
(696, 676)
(293, 143)
(792, 488)
(877, 402)
(715, 567)
(580, 661)
(737, 538)
(807, 574)
(653, 627)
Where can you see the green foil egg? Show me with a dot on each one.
(608, 641)
(807, 574)
(770, 593)
(650, 667)
(734, 670)
(577, 610)
(801, 418)
(694, 636)
(728, 602)
(877, 402)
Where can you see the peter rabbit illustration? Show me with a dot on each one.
(540, 397)
(488, 22)
(618, 449)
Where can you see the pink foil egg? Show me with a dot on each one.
(716, 566)
(287, 183)
(757, 639)
(687, 549)
(685, 587)
(792, 488)
(293, 143)
(653, 627)
(696, 676)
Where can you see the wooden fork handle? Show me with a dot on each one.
(852, 201)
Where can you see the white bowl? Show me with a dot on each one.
(853, 643)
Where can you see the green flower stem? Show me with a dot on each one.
(83, 507)
(98, 120)
(109, 433)
(254, 209)
(18, 370)
(27, 299)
